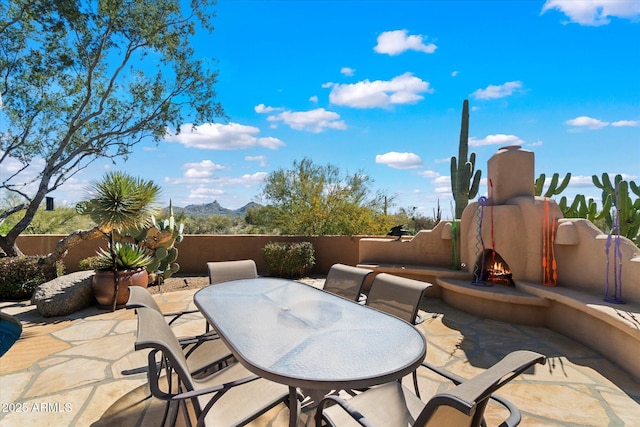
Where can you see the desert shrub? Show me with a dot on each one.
(19, 276)
(287, 259)
(89, 263)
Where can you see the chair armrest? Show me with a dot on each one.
(177, 314)
(456, 379)
(514, 417)
(357, 416)
(210, 336)
(195, 393)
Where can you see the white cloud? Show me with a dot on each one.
(347, 71)
(212, 187)
(429, 174)
(396, 42)
(454, 73)
(595, 12)
(313, 99)
(399, 160)
(588, 122)
(216, 136)
(631, 123)
(261, 108)
(443, 186)
(535, 144)
(497, 139)
(314, 121)
(403, 89)
(203, 169)
(262, 160)
(497, 91)
(205, 193)
(576, 181)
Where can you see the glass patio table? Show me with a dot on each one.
(295, 334)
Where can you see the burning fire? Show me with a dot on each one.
(495, 269)
(498, 269)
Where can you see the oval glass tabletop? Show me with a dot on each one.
(305, 337)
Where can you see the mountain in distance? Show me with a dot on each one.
(214, 208)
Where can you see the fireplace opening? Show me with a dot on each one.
(492, 268)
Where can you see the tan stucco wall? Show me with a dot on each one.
(428, 247)
(582, 261)
(196, 250)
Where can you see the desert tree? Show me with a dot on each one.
(83, 80)
(313, 199)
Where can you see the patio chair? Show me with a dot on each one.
(346, 281)
(394, 405)
(141, 297)
(223, 271)
(228, 397)
(400, 297)
(202, 351)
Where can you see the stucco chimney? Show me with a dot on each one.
(510, 174)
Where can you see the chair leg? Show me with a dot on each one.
(415, 382)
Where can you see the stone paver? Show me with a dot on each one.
(68, 370)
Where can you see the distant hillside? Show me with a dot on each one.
(214, 208)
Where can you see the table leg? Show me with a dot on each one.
(294, 407)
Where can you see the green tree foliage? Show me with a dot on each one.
(62, 220)
(311, 199)
(214, 224)
(81, 80)
(415, 221)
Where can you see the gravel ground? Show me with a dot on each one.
(180, 283)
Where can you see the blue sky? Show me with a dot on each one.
(378, 86)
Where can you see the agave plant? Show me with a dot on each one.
(129, 256)
(118, 202)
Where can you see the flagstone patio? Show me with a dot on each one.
(68, 371)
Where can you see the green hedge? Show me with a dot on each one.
(19, 276)
(289, 260)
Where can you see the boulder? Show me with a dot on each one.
(65, 294)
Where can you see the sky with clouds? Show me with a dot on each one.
(377, 87)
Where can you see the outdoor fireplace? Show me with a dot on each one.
(491, 268)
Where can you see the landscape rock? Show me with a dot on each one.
(65, 294)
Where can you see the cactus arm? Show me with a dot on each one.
(473, 191)
(552, 185)
(564, 183)
(539, 183)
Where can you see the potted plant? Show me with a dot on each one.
(116, 203)
(131, 263)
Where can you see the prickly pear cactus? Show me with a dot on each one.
(159, 239)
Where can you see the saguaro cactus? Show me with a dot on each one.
(627, 209)
(581, 208)
(463, 187)
(554, 189)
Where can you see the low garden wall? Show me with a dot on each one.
(196, 250)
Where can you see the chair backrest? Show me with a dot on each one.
(464, 405)
(223, 271)
(398, 296)
(346, 281)
(155, 333)
(140, 297)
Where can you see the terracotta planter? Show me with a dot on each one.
(103, 287)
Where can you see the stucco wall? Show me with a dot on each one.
(196, 250)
